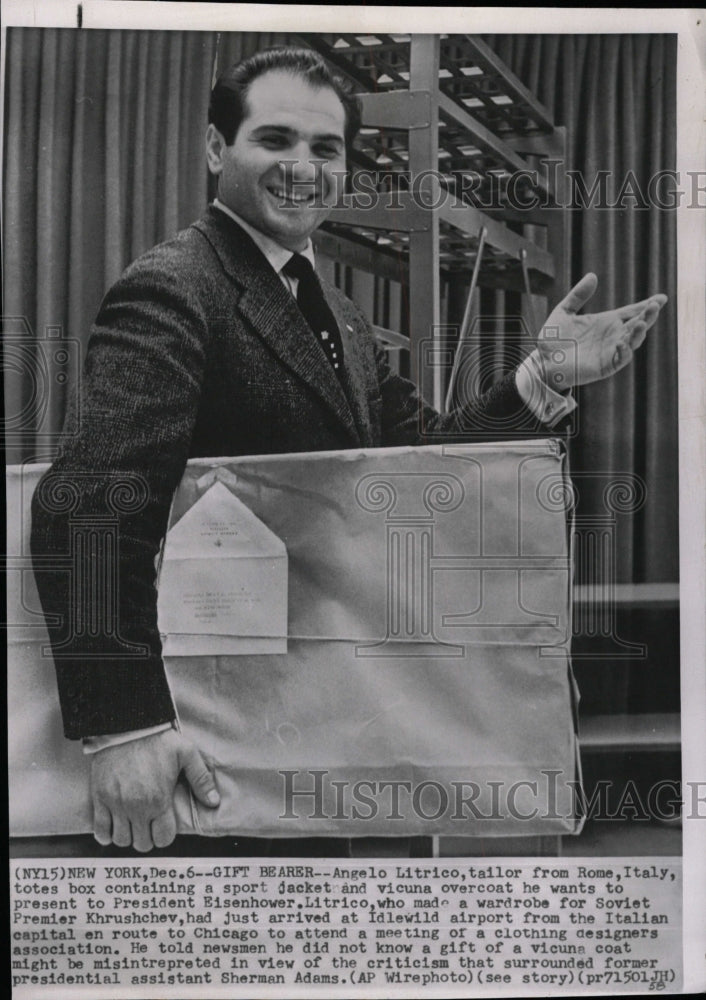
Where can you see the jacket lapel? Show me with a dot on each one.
(269, 308)
(355, 384)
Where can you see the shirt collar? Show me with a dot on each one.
(277, 255)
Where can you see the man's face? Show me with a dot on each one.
(286, 120)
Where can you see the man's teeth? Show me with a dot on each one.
(291, 196)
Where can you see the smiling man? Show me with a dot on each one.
(223, 341)
(279, 170)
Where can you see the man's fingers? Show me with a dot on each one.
(637, 339)
(142, 835)
(635, 308)
(651, 314)
(133, 789)
(580, 293)
(636, 329)
(632, 309)
(637, 333)
(164, 829)
(621, 357)
(122, 834)
(200, 778)
(111, 826)
(102, 824)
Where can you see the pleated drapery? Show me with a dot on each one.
(616, 95)
(100, 164)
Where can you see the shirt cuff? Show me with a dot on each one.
(546, 405)
(92, 744)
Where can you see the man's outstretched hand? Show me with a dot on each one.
(574, 350)
(133, 789)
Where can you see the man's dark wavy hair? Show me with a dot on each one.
(228, 107)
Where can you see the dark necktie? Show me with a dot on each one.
(311, 301)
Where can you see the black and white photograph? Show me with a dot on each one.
(354, 429)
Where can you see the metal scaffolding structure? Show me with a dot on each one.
(451, 139)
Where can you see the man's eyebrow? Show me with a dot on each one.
(285, 130)
(330, 137)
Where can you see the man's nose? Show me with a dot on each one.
(303, 167)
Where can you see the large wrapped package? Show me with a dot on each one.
(360, 642)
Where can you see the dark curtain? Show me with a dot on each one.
(616, 94)
(104, 158)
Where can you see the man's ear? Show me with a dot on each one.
(215, 147)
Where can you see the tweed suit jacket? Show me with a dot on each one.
(198, 350)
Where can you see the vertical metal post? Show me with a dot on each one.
(424, 278)
(558, 229)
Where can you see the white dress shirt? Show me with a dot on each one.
(277, 255)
